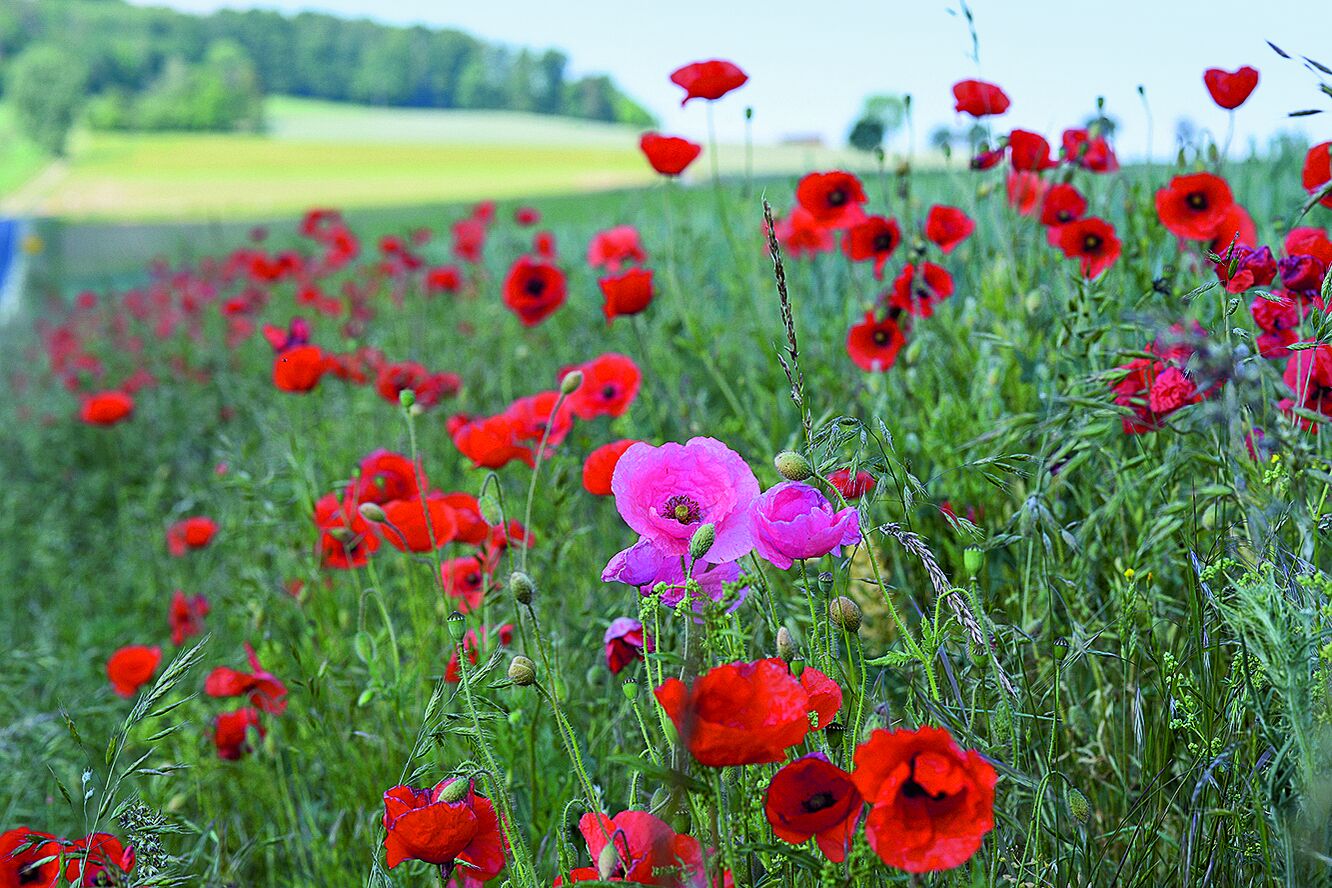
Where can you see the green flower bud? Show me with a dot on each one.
(372, 512)
(455, 791)
(702, 540)
(844, 614)
(608, 861)
(1078, 805)
(630, 689)
(972, 559)
(406, 398)
(792, 466)
(457, 624)
(786, 647)
(571, 381)
(522, 671)
(826, 580)
(520, 584)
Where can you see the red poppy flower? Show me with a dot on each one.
(409, 530)
(740, 713)
(1318, 170)
(472, 529)
(624, 641)
(638, 848)
(852, 488)
(1230, 89)
(501, 536)
(610, 384)
(346, 540)
(825, 696)
(23, 869)
(600, 466)
(1025, 191)
(1081, 148)
(190, 533)
(1152, 389)
(833, 199)
(1235, 227)
(987, 159)
(296, 333)
(917, 294)
(801, 235)
(626, 294)
(1277, 316)
(614, 247)
(873, 345)
(811, 797)
(186, 615)
(1243, 268)
(429, 388)
(443, 279)
(491, 442)
(708, 80)
(1028, 151)
(536, 419)
(669, 155)
(1302, 274)
(383, 476)
(526, 216)
(266, 692)
(1309, 377)
(466, 579)
(442, 825)
(98, 859)
(543, 244)
(473, 645)
(1091, 241)
(106, 408)
(1308, 242)
(533, 290)
(299, 369)
(874, 238)
(1062, 204)
(979, 99)
(469, 239)
(946, 227)
(231, 733)
(931, 803)
(132, 667)
(1193, 206)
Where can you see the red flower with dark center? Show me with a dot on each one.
(1062, 204)
(610, 384)
(708, 80)
(266, 692)
(624, 641)
(626, 294)
(946, 227)
(473, 645)
(22, 868)
(231, 733)
(873, 344)
(466, 579)
(740, 713)
(299, 369)
(669, 155)
(1230, 89)
(346, 540)
(800, 234)
(536, 418)
(1317, 171)
(615, 247)
(98, 859)
(875, 238)
(852, 488)
(132, 667)
(106, 408)
(600, 466)
(491, 442)
(429, 388)
(533, 290)
(1025, 191)
(1028, 151)
(190, 533)
(917, 294)
(931, 802)
(1091, 241)
(409, 530)
(638, 848)
(979, 99)
(811, 797)
(186, 615)
(1193, 206)
(384, 476)
(441, 825)
(833, 199)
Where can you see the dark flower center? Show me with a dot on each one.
(1091, 243)
(535, 286)
(1064, 216)
(836, 197)
(913, 790)
(472, 579)
(609, 391)
(683, 509)
(883, 243)
(818, 802)
(30, 874)
(881, 337)
(1197, 200)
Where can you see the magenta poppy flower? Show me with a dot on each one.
(647, 566)
(666, 493)
(794, 521)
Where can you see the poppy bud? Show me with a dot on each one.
(406, 398)
(825, 582)
(835, 732)
(571, 381)
(845, 614)
(522, 671)
(454, 791)
(972, 559)
(520, 584)
(786, 647)
(608, 861)
(1059, 648)
(702, 540)
(1078, 805)
(457, 624)
(372, 512)
(630, 688)
(792, 466)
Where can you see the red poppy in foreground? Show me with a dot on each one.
(1230, 89)
(1091, 241)
(852, 488)
(669, 155)
(21, 869)
(610, 384)
(1318, 171)
(876, 238)
(873, 344)
(98, 859)
(491, 442)
(442, 825)
(626, 294)
(833, 199)
(231, 733)
(186, 616)
(1029, 151)
(708, 80)
(931, 802)
(1242, 268)
(624, 641)
(639, 848)
(132, 667)
(191, 533)
(1063, 204)
(533, 290)
(918, 292)
(1193, 206)
(1152, 389)
(745, 713)
(299, 369)
(979, 99)
(600, 466)
(413, 528)
(946, 227)
(265, 691)
(106, 408)
(346, 540)
(811, 797)
(466, 578)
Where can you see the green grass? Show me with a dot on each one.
(20, 159)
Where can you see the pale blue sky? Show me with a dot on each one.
(811, 62)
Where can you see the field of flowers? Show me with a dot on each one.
(958, 529)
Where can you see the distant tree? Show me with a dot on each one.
(46, 85)
(881, 117)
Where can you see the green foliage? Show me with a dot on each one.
(45, 85)
(220, 93)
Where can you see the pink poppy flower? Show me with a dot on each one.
(794, 521)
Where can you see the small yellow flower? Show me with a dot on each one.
(1129, 573)
(32, 245)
